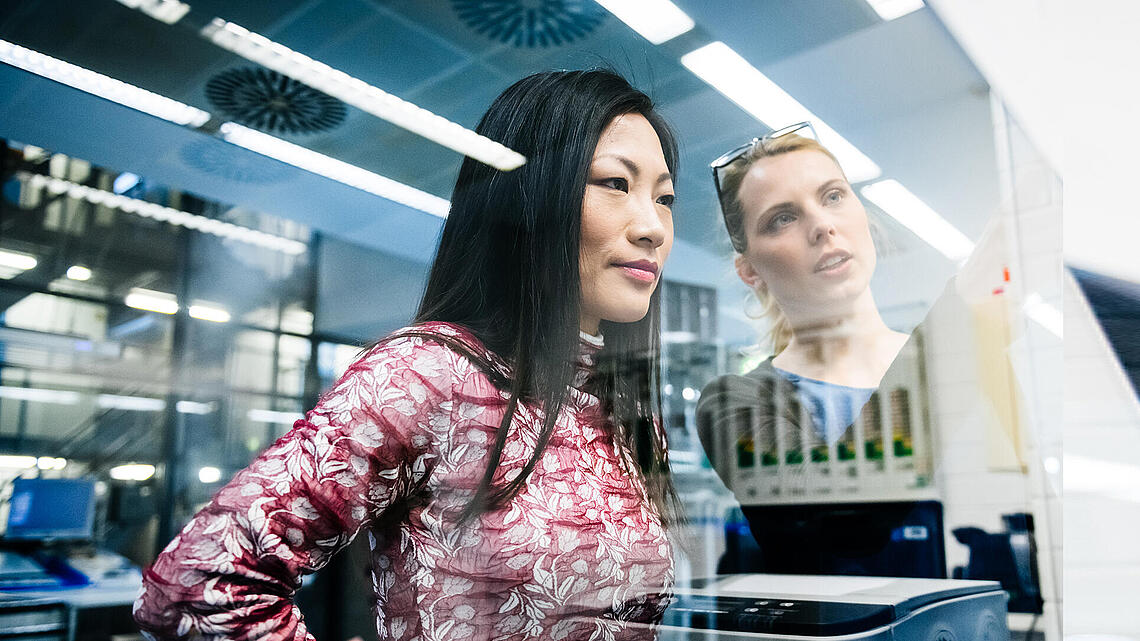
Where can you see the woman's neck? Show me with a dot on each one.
(854, 348)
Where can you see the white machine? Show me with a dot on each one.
(802, 608)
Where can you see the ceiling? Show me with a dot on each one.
(902, 91)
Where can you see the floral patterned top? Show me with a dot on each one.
(396, 448)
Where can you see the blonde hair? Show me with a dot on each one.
(731, 177)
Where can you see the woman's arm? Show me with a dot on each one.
(233, 570)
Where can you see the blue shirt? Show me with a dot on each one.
(833, 407)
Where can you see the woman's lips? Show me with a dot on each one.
(643, 275)
(835, 268)
(832, 260)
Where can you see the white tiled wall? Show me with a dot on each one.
(975, 491)
(1101, 520)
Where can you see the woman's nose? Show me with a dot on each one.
(821, 228)
(647, 227)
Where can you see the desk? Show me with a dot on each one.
(118, 592)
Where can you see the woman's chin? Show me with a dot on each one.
(631, 314)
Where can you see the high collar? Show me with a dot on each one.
(586, 364)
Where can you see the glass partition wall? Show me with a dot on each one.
(158, 331)
(152, 354)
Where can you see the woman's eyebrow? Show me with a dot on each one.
(829, 184)
(633, 167)
(773, 207)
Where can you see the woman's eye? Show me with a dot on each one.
(621, 184)
(780, 221)
(667, 200)
(833, 197)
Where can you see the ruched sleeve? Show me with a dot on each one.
(367, 445)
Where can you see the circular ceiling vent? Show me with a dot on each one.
(208, 156)
(269, 101)
(531, 23)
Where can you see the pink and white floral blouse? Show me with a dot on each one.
(396, 448)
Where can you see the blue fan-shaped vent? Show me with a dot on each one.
(270, 101)
(207, 157)
(531, 23)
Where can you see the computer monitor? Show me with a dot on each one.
(900, 539)
(51, 509)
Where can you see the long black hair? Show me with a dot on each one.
(507, 270)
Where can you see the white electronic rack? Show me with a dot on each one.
(886, 455)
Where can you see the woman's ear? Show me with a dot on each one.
(747, 273)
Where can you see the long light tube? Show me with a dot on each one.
(729, 73)
(149, 300)
(891, 9)
(136, 403)
(51, 463)
(209, 312)
(132, 472)
(168, 11)
(194, 407)
(37, 395)
(209, 474)
(102, 86)
(657, 21)
(79, 272)
(166, 214)
(899, 203)
(17, 260)
(182, 114)
(270, 416)
(334, 169)
(338, 84)
(15, 461)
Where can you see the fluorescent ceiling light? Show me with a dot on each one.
(166, 214)
(209, 474)
(729, 73)
(132, 472)
(334, 169)
(151, 301)
(209, 312)
(891, 9)
(656, 20)
(138, 403)
(78, 272)
(168, 11)
(102, 86)
(1045, 314)
(257, 48)
(59, 397)
(124, 182)
(269, 416)
(14, 462)
(193, 407)
(908, 209)
(264, 144)
(51, 463)
(17, 260)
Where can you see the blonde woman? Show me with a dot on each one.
(804, 247)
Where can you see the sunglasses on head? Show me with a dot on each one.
(726, 159)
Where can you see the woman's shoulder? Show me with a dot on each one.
(763, 372)
(433, 346)
(739, 390)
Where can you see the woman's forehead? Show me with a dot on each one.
(786, 176)
(629, 134)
